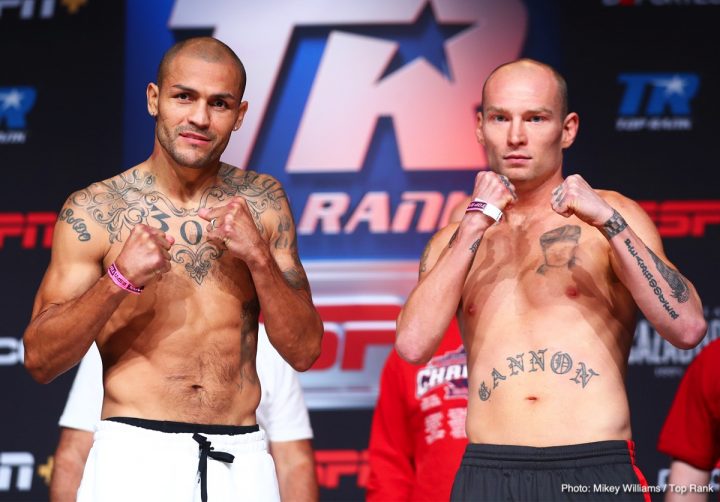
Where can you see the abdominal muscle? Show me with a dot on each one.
(536, 385)
(187, 359)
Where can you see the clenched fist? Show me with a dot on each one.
(145, 255)
(575, 196)
(233, 226)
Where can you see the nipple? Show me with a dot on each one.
(572, 292)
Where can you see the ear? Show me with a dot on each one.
(152, 92)
(570, 129)
(478, 129)
(241, 115)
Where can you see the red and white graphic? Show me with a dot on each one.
(434, 117)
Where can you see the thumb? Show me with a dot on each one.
(205, 213)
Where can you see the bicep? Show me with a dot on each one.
(75, 265)
(282, 241)
(435, 247)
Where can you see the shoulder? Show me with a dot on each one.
(109, 191)
(251, 184)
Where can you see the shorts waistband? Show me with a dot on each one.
(550, 457)
(185, 427)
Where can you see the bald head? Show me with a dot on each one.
(528, 65)
(207, 49)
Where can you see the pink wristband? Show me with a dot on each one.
(121, 280)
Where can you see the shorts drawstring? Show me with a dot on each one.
(206, 450)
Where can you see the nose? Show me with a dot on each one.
(199, 115)
(516, 133)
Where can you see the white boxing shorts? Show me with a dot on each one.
(148, 460)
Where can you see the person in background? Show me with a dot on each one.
(417, 437)
(691, 433)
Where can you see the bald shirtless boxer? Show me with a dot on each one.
(167, 267)
(545, 275)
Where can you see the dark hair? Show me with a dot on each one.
(561, 83)
(207, 48)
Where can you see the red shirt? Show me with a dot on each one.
(692, 429)
(418, 431)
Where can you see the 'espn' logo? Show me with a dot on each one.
(27, 228)
(331, 465)
(683, 218)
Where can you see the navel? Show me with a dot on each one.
(532, 399)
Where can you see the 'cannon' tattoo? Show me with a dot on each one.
(561, 363)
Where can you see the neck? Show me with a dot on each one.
(178, 182)
(534, 197)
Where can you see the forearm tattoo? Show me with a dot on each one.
(614, 225)
(120, 203)
(561, 363)
(296, 278)
(652, 282)
(475, 245)
(674, 279)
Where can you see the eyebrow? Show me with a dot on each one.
(222, 95)
(542, 109)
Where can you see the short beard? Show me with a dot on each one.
(194, 163)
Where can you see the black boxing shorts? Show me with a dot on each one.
(599, 471)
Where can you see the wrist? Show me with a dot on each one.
(121, 281)
(259, 258)
(613, 225)
(486, 208)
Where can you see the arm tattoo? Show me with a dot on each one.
(78, 224)
(674, 279)
(614, 225)
(296, 278)
(452, 239)
(651, 280)
(475, 245)
(283, 234)
(423, 259)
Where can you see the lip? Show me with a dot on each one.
(195, 138)
(517, 160)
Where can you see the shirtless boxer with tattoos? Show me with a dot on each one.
(167, 267)
(546, 297)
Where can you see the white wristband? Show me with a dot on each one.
(485, 208)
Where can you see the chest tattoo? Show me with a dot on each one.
(132, 198)
(559, 247)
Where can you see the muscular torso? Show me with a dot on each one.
(184, 349)
(547, 327)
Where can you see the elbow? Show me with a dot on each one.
(312, 350)
(38, 371)
(693, 333)
(409, 351)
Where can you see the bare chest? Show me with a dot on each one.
(524, 270)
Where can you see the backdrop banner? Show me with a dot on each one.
(365, 110)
